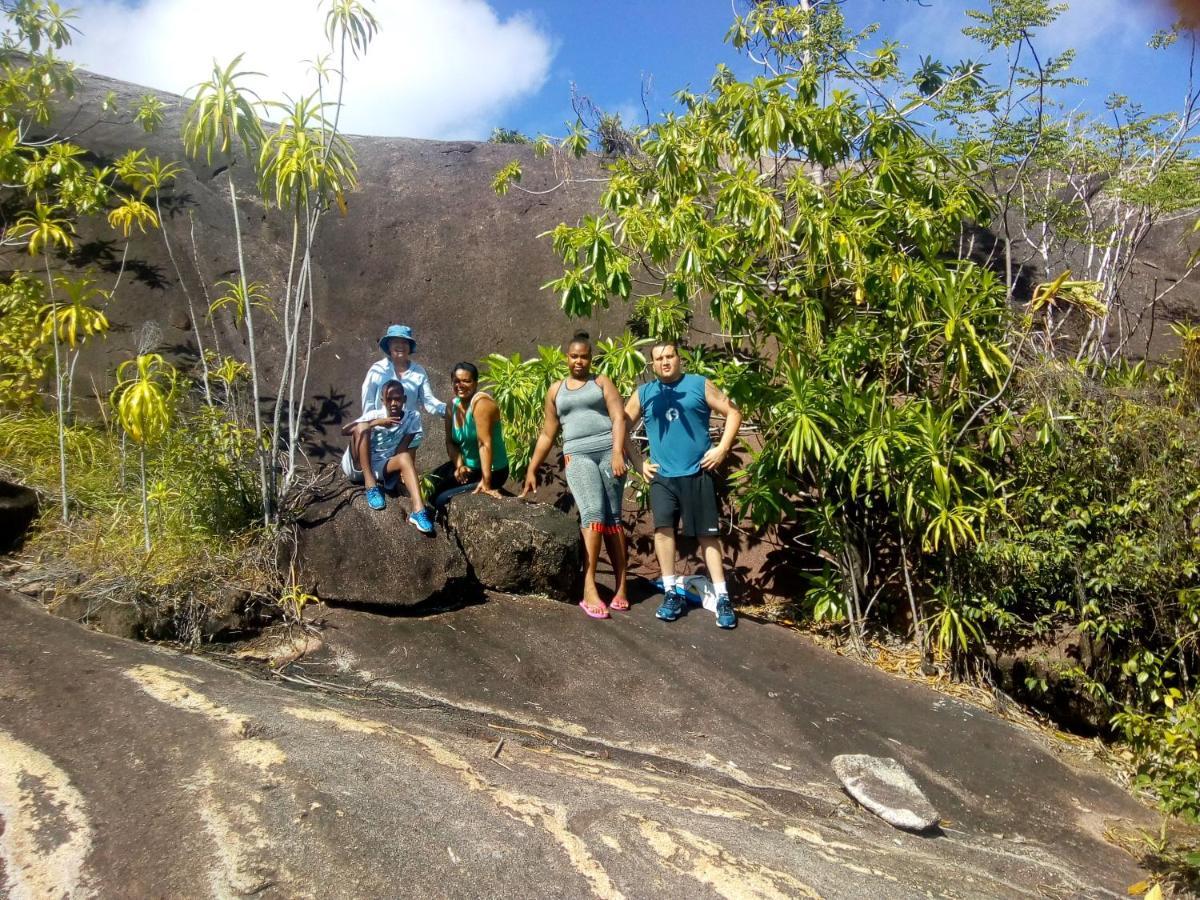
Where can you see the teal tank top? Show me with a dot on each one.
(676, 418)
(466, 438)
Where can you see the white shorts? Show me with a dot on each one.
(378, 467)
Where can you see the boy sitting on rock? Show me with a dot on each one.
(381, 449)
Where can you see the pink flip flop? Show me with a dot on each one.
(594, 615)
(619, 603)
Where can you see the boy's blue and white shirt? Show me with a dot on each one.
(384, 441)
(417, 392)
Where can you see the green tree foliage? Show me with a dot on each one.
(929, 441)
(1076, 192)
(221, 115)
(48, 186)
(508, 136)
(302, 167)
(820, 234)
(196, 498)
(141, 402)
(1103, 539)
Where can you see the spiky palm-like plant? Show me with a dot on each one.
(142, 402)
(224, 114)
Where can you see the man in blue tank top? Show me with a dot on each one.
(677, 408)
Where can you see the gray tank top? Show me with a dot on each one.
(583, 416)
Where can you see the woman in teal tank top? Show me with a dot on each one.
(587, 409)
(478, 460)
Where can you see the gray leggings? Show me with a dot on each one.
(596, 490)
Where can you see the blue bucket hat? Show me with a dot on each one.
(398, 331)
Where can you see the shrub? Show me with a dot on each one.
(1103, 535)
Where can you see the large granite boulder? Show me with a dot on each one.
(350, 553)
(517, 547)
(18, 509)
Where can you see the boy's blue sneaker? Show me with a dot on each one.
(375, 498)
(726, 618)
(422, 520)
(672, 606)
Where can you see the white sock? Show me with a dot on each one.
(668, 583)
(720, 588)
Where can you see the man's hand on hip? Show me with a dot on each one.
(713, 459)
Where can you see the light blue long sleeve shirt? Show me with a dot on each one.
(417, 391)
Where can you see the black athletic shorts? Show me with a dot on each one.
(689, 502)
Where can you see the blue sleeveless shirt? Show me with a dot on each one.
(676, 417)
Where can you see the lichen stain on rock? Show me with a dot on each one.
(712, 865)
(339, 720)
(567, 727)
(534, 812)
(673, 792)
(46, 836)
(814, 838)
(239, 841)
(167, 687)
(827, 851)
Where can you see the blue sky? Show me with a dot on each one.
(605, 47)
(455, 69)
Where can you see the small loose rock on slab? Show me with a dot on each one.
(884, 787)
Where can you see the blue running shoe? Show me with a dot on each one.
(422, 520)
(672, 606)
(375, 498)
(692, 597)
(726, 618)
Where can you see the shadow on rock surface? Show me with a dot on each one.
(18, 509)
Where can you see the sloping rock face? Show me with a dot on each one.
(641, 760)
(18, 509)
(518, 548)
(425, 241)
(348, 552)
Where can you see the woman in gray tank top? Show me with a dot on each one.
(589, 411)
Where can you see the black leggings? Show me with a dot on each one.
(445, 486)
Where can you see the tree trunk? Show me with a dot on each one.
(268, 506)
(145, 504)
(58, 392)
(287, 374)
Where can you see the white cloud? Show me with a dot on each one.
(436, 69)
(1085, 25)
(1090, 25)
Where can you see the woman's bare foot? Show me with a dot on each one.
(593, 605)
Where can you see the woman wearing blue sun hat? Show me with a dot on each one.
(398, 345)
